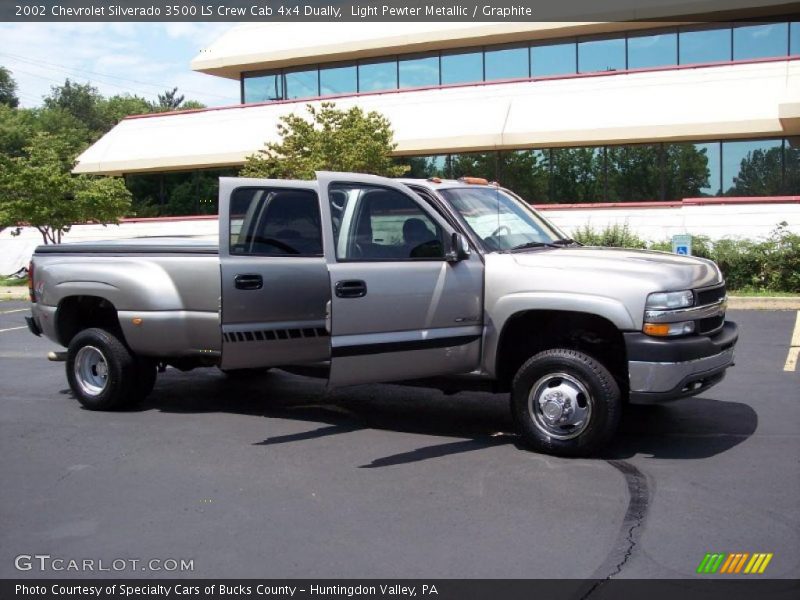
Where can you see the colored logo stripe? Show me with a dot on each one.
(735, 562)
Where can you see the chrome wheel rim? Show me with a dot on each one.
(560, 406)
(91, 371)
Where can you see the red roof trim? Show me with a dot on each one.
(672, 203)
(751, 61)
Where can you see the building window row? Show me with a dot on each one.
(650, 49)
(637, 172)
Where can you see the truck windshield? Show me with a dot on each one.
(500, 219)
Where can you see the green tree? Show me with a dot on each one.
(116, 108)
(8, 89)
(169, 100)
(82, 101)
(39, 191)
(332, 140)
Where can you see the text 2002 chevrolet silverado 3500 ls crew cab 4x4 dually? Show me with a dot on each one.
(379, 280)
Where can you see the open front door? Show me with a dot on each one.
(399, 308)
(275, 286)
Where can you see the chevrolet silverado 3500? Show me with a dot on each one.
(453, 284)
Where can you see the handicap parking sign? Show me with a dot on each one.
(682, 244)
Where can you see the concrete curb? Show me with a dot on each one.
(764, 302)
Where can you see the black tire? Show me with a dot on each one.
(581, 390)
(118, 388)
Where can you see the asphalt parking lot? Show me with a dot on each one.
(277, 477)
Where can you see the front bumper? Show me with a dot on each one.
(667, 369)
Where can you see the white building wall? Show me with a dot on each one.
(750, 221)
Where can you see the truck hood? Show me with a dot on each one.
(663, 271)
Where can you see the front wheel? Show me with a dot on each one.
(101, 371)
(565, 403)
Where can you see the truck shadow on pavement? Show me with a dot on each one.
(686, 429)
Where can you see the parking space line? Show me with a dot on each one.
(16, 310)
(13, 329)
(794, 347)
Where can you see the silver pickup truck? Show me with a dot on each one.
(453, 284)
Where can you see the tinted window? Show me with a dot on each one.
(601, 55)
(462, 68)
(760, 41)
(752, 168)
(419, 72)
(475, 164)
(652, 50)
(422, 167)
(794, 39)
(705, 45)
(791, 160)
(301, 84)
(507, 63)
(691, 170)
(377, 76)
(263, 88)
(633, 172)
(275, 222)
(577, 174)
(374, 223)
(554, 59)
(527, 173)
(338, 80)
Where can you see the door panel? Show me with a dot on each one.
(418, 315)
(275, 284)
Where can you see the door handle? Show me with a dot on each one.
(351, 288)
(248, 282)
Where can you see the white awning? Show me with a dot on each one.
(730, 101)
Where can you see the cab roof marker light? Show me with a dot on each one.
(474, 180)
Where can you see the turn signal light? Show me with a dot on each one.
(669, 329)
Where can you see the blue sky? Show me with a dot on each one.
(118, 58)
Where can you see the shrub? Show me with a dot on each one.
(615, 236)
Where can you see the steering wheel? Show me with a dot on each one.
(276, 243)
(501, 228)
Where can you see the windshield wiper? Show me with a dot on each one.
(527, 245)
(566, 242)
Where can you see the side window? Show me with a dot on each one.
(275, 222)
(375, 223)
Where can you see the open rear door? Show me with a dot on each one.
(275, 287)
(399, 308)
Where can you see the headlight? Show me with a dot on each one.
(669, 300)
(669, 329)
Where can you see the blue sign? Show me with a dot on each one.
(682, 244)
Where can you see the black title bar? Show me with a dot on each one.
(385, 10)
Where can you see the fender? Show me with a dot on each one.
(506, 307)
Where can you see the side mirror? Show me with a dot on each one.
(459, 248)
